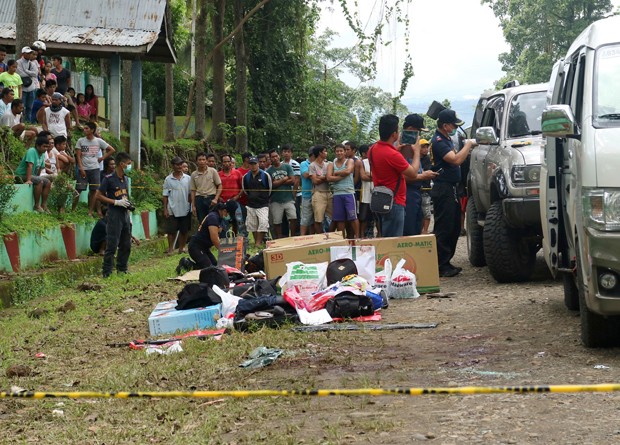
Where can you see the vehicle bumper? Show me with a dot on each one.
(604, 253)
(522, 212)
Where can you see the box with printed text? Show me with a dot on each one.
(165, 319)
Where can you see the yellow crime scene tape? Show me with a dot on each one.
(464, 390)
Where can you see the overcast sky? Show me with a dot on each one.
(454, 45)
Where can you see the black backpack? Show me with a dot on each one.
(195, 295)
(338, 269)
(215, 275)
(255, 263)
(349, 305)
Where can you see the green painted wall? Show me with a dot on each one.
(36, 248)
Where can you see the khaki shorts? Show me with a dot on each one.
(322, 204)
(257, 219)
(278, 209)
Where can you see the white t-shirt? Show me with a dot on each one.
(56, 121)
(91, 151)
(51, 156)
(8, 119)
(367, 186)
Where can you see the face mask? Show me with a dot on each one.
(55, 108)
(127, 169)
(226, 218)
(453, 132)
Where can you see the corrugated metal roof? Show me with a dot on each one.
(143, 15)
(96, 24)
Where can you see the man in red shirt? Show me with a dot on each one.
(231, 187)
(390, 169)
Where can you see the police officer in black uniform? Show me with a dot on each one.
(114, 192)
(446, 206)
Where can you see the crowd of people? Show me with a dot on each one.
(273, 195)
(38, 102)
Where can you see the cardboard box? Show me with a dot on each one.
(165, 319)
(304, 240)
(276, 259)
(420, 252)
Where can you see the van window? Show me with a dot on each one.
(524, 116)
(606, 107)
(576, 102)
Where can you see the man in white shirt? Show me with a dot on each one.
(12, 118)
(55, 118)
(28, 69)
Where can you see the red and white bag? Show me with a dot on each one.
(403, 282)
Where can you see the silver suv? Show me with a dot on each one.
(503, 186)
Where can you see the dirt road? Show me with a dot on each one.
(489, 335)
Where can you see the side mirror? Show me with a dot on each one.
(558, 122)
(486, 136)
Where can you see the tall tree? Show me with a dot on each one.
(218, 109)
(201, 66)
(540, 31)
(26, 24)
(169, 94)
(241, 81)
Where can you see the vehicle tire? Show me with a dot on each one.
(509, 258)
(475, 248)
(597, 331)
(571, 293)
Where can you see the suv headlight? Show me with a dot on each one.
(523, 175)
(602, 208)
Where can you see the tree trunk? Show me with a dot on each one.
(26, 24)
(126, 95)
(241, 82)
(218, 111)
(169, 137)
(201, 67)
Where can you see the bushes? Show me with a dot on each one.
(7, 190)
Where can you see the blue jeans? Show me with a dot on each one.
(413, 212)
(393, 223)
(28, 98)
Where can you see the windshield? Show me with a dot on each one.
(607, 87)
(525, 114)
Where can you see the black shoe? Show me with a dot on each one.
(460, 269)
(449, 272)
(106, 275)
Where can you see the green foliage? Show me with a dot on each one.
(7, 190)
(12, 150)
(145, 189)
(540, 31)
(61, 193)
(154, 87)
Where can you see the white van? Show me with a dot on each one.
(580, 180)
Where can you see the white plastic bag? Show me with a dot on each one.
(306, 278)
(382, 279)
(229, 301)
(403, 282)
(362, 256)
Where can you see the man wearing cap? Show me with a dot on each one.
(446, 207)
(177, 208)
(28, 69)
(414, 124)
(256, 185)
(55, 118)
(390, 169)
